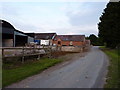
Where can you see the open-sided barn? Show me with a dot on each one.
(12, 37)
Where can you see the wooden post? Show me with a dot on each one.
(50, 52)
(33, 49)
(60, 48)
(23, 55)
(2, 53)
(56, 48)
(38, 57)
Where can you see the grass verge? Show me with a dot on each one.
(113, 76)
(12, 75)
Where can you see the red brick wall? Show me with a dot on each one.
(67, 43)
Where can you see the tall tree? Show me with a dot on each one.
(109, 25)
(93, 39)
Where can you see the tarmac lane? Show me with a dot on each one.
(83, 72)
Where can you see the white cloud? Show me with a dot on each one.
(62, 18)
(57, 0)
(86, 30)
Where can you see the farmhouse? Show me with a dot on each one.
(12, 37)
(69, 40)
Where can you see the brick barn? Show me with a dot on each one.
(69, 40)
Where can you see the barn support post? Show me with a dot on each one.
(14, 39)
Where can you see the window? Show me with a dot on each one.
(59, 42)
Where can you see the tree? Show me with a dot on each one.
(95, 40)
(109, 25)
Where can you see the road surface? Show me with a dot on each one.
(83, 72)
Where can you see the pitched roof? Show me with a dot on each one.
(44, 36)
(31, 34)
(70, 37)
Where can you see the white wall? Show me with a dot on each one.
(45, 42)
(30, 39)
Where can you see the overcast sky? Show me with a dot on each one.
(60, 17)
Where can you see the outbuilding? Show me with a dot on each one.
(45, 38)
(69, 40)
(12, 37)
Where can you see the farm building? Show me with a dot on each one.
(44, 38)
(12, 37)
(87, 42)
(69, 40)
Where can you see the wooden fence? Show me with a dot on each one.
(13, 52)
(23, 52)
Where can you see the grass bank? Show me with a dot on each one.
(113, 76)
(14, 74)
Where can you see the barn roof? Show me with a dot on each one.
(6, 27)
(6, 24)
(44, 36)
(70, 37)
(9, 28)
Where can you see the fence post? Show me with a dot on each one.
(23, 55)
(56, 48)
(2, 53)
(50, 52)
(38, 57)
(43, 46)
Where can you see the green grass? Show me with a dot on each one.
(113, 76)
(12, 75)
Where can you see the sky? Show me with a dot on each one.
(62, 17)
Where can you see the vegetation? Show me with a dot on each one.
(113, 77)
(14, 74)
(109, 25)
(109, 32)
(96, 41)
